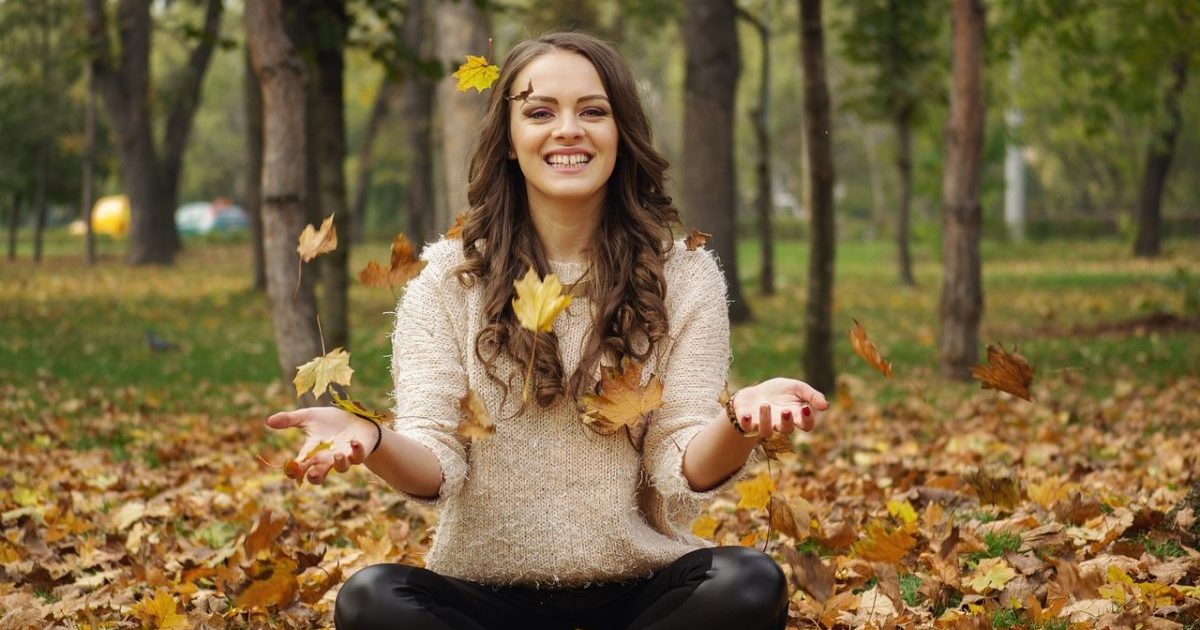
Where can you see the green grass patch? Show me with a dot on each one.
(910, 585)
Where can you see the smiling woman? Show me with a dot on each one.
(547, 522)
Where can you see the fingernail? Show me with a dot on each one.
(806, 411)
(355, 445)
(787, 413)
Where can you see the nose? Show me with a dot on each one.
(568, 127)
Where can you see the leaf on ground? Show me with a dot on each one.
(158, 612)
(902, 510)
(265, 531)
(404, 266)
(1005, 371)
(538, 301)
(879, 544)
(696, 238)
(866, 349)
(314, 242)
(991, 575)
(705, 527)
(277, 589)
(621, 401)
(476, 422)
(476, 73)
(995, 485)
(316, 375)
(755, 494)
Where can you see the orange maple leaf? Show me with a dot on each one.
(696, 238)
(621, 401)
(866, 349)
(476, 423)
(314, 242)
(882, 545)
(265, 531)
(277, 589)
(404, 266)
(159, 611)
(1005, 371)
(455, 230)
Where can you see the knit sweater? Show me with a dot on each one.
(546, 501)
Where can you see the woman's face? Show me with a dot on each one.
(563, 133)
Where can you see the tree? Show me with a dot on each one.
(254, 166)
(418, 95)
(461, 30)
(760, 116)
(818, 139)
(962, 215)
(283, 78)
(710, 86)
(897, 39)
(150, 181)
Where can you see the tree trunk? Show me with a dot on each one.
(88, 193)
(962, 287)
(760, 118)
(1014, 160)
(254, 167)
(1158, 163)
(879, 208)
(14, 221)
(328, 22)
(818, 128)
(710, 87)
(366, 156)
(283, 75)
(903, 124)
(461, 29)
(39, 225)
(418, 115)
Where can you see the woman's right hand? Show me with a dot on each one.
(349, 437)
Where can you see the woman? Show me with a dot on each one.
(549, 523)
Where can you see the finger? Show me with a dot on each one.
(358, 454)
(286, 419)
(807, 418)
(316, 474)
(787, 422)
(764, 421)
(805, 392)
(340, 463)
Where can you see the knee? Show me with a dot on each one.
(361, 597)
(753, 581)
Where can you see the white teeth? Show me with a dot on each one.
(568, 160)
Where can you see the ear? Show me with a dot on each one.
(512, 155)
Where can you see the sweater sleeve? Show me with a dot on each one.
(695, 372)
(427, 368)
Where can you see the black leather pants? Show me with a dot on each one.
(722, 588)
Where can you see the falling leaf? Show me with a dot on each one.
(810, 574)
(403, 267)
(314, 242)
(696, 238)
(316, 375)
(158, 612)
(538, 301)
(755, 493)
(776, 445)
(522, 95)
(991, 575)
(455, 230)
(476, 73)
(476, 423)
(1007, 372)
(265, 531)
(345, 403)
(785, 520)
(621, 401)
(323, 445)
(866, 349)
(995, 486)
(881, 545)
(705, 527)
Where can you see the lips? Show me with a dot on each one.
(568, 160)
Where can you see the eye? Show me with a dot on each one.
(594, 112)
(538, 114)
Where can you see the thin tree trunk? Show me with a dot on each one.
(88, 193)
(39, 225)
(903, 124)
(1158, 164)
(366, 157)
(760, 118)
(14, 221)
(283, 75)
(254, 167)
(461, 29)
(1014, 160)
(818, 128)
(962, 287)
(710, 87)
(418, 114)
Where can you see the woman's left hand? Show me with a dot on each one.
(778, 405)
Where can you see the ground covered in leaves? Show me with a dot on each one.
(140, 487)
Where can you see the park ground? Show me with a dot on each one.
(141, 488)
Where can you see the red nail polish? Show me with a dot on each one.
(787, 413)
(806, 411)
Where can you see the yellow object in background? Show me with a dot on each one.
(110, 215)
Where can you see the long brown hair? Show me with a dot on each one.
(625, 278)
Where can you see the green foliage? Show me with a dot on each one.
(1006, 618)
(909, 589)
(1162, 549)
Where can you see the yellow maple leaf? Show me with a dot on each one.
(866, 349)
(345, 403)
(991, 575)
(538, 301)
(316, 375)
(159, 612)
(705, 527)
(622, 401)
(476, 423)
(902, 510)
(755, 493)
(476, 73)
(314, 242)
(883, 545)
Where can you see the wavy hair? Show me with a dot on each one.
(625, 278)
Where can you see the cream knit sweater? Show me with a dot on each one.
(546, 501)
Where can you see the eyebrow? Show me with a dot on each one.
(551, 99)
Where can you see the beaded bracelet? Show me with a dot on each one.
(378, 437)
(733, 419)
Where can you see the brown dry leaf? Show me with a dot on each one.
(265, 531)
(455, 230)
(696, 238)
(881, 545)
(314, 587)
(316, 375)
(277, 589)
(776, 445)
(874, 609)
(621, 400)
(809, 573)
(404, 266)
(1005, 371)
(159, 611)
(866, 349)
(785, 520)
(995, 486)
(314, 242)
(476, 422)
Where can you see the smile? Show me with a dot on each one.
(568, 162)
